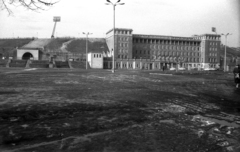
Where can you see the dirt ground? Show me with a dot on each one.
(72, 110)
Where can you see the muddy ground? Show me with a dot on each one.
(51, 110)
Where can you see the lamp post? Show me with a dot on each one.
(114, 5)
(225, 52)
(87, 46)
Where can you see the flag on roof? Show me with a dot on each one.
(213, 29)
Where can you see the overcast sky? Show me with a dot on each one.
(153, 17)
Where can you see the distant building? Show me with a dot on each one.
(95, 60)
(157, 51)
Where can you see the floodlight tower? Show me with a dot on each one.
(55, 19)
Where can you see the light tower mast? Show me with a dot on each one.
(55, 19)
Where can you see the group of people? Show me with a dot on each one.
(236, 73)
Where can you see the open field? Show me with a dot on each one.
(72, 110)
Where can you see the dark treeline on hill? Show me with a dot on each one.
(231, 52)
(79, 46)
(8, 46)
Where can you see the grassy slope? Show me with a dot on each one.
(230, 52)
(94, 45)
(55, 44)
(8, 45)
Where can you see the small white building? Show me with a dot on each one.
(95, 60)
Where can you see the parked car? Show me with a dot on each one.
(172, 69)
(181, 68)
(209, 69)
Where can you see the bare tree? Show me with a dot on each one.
(33, 5)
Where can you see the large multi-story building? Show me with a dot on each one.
(139, 51)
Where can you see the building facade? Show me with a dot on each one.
(157, 51)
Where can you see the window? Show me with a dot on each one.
(100, 55)
(94, 55)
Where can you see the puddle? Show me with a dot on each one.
(30, 69)
(167, 121)
(7, 92)
(210, 120)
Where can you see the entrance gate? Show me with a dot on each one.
(27, 56)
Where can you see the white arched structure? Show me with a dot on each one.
(21, 52)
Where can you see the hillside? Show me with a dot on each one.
(231, 52)
(94, 45)
(55, 44)
(8, 46)
(37, 43)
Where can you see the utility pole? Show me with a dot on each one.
(114, 5)
(225, 52)
(87, 48)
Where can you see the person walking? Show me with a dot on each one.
(236, 72)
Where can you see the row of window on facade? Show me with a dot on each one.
(212, 49)
(123, 38)
(208, 38)
(166, 42)
(169, 47)
(212, 54)
(167, 58)
(122, 32)
(213, 43)
(123, 44)
(167, 53)
(211, 60)
(124, 65)
(97, 55)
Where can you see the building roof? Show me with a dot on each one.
(207, 34)
(164, 37)
(119, 29)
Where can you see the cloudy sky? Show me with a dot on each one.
(156, 17)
